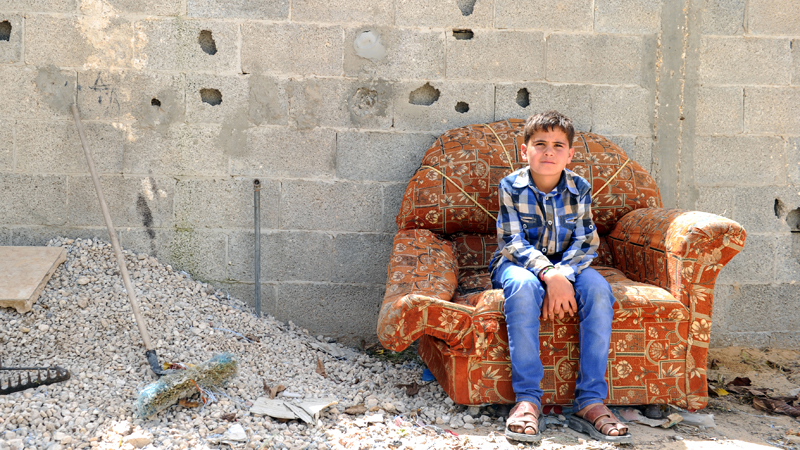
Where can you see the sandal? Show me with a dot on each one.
(526, 415)
(597, 422)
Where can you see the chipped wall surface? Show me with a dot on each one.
(332, 103)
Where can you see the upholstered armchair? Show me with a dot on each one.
(661, 264)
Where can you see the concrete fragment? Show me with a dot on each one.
(24, 272)
(138, 439)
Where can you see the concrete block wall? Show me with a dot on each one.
(331, 104)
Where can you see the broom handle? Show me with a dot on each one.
(123, 269)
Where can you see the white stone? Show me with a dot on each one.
(138, 439)
(83, 281)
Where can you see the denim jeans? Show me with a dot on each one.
(524, 295)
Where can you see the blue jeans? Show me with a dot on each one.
(524, 295)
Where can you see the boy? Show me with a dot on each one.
(546, 241)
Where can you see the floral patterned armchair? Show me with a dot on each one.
(661, 264)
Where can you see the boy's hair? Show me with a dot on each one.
(548, 121)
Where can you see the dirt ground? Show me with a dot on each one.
(738, 424)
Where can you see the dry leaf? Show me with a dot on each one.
(356, 410)
(188, 403)
(740, 381)
(411, 389)
(252, 337)
(776, 406)
(321, 369)
(229, 417)
(276, 390)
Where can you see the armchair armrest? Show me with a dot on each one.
(681, 251)
(421, 281)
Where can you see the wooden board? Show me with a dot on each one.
(24, 271)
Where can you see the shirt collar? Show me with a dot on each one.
(566, 182)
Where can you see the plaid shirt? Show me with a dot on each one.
(536, 230)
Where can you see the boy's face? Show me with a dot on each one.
(547, 153)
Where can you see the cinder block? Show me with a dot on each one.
(594, 58)
(786, 339)
(11, 50)
(55, 147)
(149, 7)
(79, 43)
(23, 98)
(787, 262)
(728, 339)
(571, 15)
(392, 199)
(795, 45)
(345, 312)
(756, 263)
(201, 101)
(285, 256)
(627, 16)
(744, 60)
(394, 53)
(5, 235)
(260, 10)
(622, 110)
(225, 203)
(764, 307)
(496, 55)
(33, 199)
(282, 152)
(361, 258)
(132, 201)
(374, 12)
(182, 149)
(267, 100)
(177, 44)
(40, 235)
(29, 6)
(739, 160)
(201, 253)
(444, 13)
(145, 96)
(246, 293)
(720, 110)
(442, 114)
(793, 160)
(340, 102)
(754, 207)
(773, 17)
(716, 200)
(574, 100)
(723, 17)
(290, 48)
(378, 156)
(638, 148)
(6, 146)
(335, 206)
(772, 110)
(719, 322)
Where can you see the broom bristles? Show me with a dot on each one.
(170, 388)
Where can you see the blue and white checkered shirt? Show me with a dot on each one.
(536, 230)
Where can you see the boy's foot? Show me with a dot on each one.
(523, 423)
(599, 422)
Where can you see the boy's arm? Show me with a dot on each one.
(585, 241)
(511, 238)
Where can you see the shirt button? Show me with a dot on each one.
(549, 222)
(524, 226)
(591, 227)
(544, 249)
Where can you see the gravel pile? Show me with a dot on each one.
(83, 322)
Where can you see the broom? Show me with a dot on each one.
(172, 385)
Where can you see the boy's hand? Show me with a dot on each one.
(560, 297)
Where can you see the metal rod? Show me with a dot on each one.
(257, 213)
(123, 270)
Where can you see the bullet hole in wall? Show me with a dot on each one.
(206, 41)
(780, 208)
(424, 96)
(155, 102)
(211, 96)
(523, 98)
(364, 101)
(5, 30)
(793, 220)
(466, 6)
(462, 107)
(463, 35)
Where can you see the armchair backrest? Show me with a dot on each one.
(471, 160)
